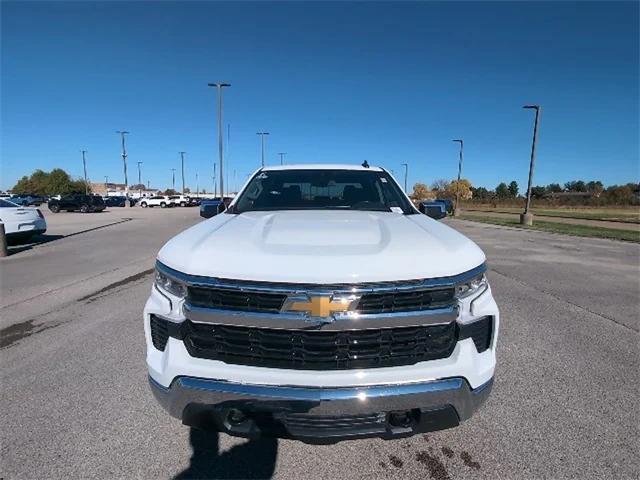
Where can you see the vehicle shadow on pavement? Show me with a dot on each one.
(253, 459)
(17, 247)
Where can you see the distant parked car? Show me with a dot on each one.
(28, 200)
(211, 208)
(162, 201)
(115, 201)
(181, 200)
(435, 210)
(448, 204)
(77, 202)
(21, 223)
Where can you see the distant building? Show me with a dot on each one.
(119, 189)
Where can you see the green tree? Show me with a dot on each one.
(554, 188)
(513, 189)
(55, 182)
(502, 191)
(576, 186)
(538, 192)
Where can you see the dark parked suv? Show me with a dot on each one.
(77, 202)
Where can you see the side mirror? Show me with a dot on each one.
(437, 211)
(208, 210)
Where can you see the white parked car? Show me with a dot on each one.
(162, 201)
(180, 200)
(21, 223)
(321, 305)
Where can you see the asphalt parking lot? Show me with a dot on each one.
(75, 401)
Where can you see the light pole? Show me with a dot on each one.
(456, 210)
(215, 186)
(526, 218)
(173, 179)
(197, 186)
(406, 174)
(106, 180)
(262, 134)
(124, 160)
(139, 181)
(84, 167)
(182, 163)
(282, 154)
(219, 87)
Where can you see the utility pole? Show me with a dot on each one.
(148, 184)
(173, 179)
(406, 174)
(139, 181)
(526, 218)
(124, 160)
(215, 186)
(282, 154)
(262, 134)
(456, 210)
(182, 163)
(106, 180)
(219, 87)
(84, 166)
(197, 186)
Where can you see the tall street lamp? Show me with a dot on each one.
(456, 209)
(526, 218)
(173, 179)
(84, 167)
(215, 185)
(282, 154)
(219, 86)
(406, 174)
(124, 160)
(197, 186)
(182, 163)
(139, 181)
(262, 134)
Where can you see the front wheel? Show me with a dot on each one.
(163, 205)
(143, 204)
(84, 208)
(54, 208)
(183, 204)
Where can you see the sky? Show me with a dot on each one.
(391, 83)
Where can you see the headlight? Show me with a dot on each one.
(170, 285)
(472, 286)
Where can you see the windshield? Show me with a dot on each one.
(322, 190)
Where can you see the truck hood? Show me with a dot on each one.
(321, 247)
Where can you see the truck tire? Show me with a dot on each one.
(163, 205)
(143, 204)
(84, 208)
(54, 208)
(183, 204)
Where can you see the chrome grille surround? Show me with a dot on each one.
(441, 313)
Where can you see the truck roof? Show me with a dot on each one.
(322, 166)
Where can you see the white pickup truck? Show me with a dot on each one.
(321, 306)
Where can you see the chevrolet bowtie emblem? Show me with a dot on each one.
(321, 306)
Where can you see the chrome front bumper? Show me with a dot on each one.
(321, 414)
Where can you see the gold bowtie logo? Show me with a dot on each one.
(321, 306)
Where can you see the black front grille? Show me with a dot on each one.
(405, 301)
(236, 299)
(159, 332)
(319, 350)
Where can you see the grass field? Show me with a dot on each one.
(567, 229)
(627, 215)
